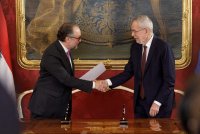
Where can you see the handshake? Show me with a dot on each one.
(101, 85)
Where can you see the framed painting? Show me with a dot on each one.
(105, 25)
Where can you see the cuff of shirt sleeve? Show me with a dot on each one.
(109, 82)
(93, 85)
(158, 103)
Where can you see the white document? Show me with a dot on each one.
(94, 73)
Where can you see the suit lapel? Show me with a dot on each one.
(140, 59)
(72, 67)
(65, 58)
(140, 54)
(150, 55)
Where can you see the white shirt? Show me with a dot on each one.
(148, 45)
(66, 51)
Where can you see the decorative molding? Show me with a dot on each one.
(111, 64)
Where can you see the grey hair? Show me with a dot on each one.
(144, 22)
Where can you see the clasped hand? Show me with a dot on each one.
(101, 85)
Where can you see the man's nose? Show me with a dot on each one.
(133, 34)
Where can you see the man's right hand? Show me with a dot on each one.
(101, 85)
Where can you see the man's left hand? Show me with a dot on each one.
(154, 110)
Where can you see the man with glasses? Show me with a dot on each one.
(152, 64)
(52, 96)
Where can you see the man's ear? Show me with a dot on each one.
(146, 30)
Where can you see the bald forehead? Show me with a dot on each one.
(76, 30)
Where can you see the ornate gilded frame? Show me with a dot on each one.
(181, 63)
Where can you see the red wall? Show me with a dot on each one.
(25, 79)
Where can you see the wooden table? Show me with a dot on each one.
(104, 126)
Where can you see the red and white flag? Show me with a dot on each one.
(6, 76)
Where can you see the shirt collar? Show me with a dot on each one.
(65, 49)
(150, 41)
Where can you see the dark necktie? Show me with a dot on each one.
(69, 57)
(68, 54)
(143, 62)
(143, 59)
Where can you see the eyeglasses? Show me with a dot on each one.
(78, 38)
(136, 31)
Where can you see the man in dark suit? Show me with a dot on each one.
(52, 95)
(152, 64)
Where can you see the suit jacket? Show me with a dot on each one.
(9, 123)
(53, 89)
(159, 74)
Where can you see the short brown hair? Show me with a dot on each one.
(65, 30)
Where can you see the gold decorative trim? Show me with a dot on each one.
(181, 63)
(186, 36)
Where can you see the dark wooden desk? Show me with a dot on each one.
(137, 126)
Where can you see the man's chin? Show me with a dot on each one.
(76, 47)
(138, 41)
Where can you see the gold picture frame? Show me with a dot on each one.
(114, 64)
